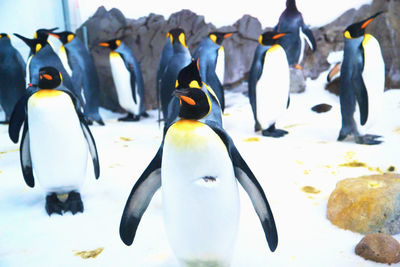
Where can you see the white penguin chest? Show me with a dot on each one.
(62, 54)
(200, 194)
(58, 147)
(122, 82)
(220, 66)
(272, 89)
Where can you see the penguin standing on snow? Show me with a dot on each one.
(55, 141)
(12, 76)
(84, 74)
(291, 21)
(212, 62)
(128, 79)
(43, 55)
(180, 58)
(362, 81)
(196, 166)
(269, 84)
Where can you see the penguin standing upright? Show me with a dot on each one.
(212, 62)
(180, 58)
(12, 76)
(128, 79)
(269, 84)
(362, 82)
(43, 55)
(196, 166)
(291, 21)
(84, 74)
(54, 141)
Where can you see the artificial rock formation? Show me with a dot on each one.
(367, 204)
(381, 248)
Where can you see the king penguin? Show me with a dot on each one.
(212, 62)
(12, 76)
(362, 82)
(269, 84)
(55, 141)
(179, 59)
(196, 166)
(43, 55)
(128, 79)
(84, 74)
(291, 21)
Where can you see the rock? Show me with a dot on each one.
(379, 248)
(321, 108)
(368, 204)
(297, 81)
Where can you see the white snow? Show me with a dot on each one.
(308, 156)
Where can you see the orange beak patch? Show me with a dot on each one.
(188, 100)
(279, 35)
(227, 35)
(365, 24)
(104, 44)
(46, 76)
(54, 35)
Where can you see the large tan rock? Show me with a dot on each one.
(368, 204)
(379, 248)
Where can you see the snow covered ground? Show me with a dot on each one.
(308, 156)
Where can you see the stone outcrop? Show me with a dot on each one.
(380, 248)
(146, 37)
(368, 204)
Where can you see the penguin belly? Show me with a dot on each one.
(122, 81)
(27, 71)
(62, 54)
(374, 79)
(272, 89)
(200, 195)
(58, 147)
(220, 66)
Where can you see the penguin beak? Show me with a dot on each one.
(229, 34)
(104, 44)
(279, 35)
(370, 19)
(54, 35)
(182, 95)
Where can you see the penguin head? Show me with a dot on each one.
(49, 78)
(270, 38)
(4, 35)
(291, 4)
(65, 37)
(357, 29)
(194, 102)
(112, 44)
(43, 34)
(218, 37)
(177, 36)
(34, 44)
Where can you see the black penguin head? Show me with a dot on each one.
(4, 35)
(65, 37)
(194, 103)
(291, 4)
(34, 44)
(357, 29)
(49, 78)
(218, 37)
(270, 38)
(177, 36)
(43, 34)
(189, 77)
(112, 44)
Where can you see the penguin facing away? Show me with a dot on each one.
(55, 141)
(12, 76)
(180, 58)
(291, 21)
(196, 166)
(84, 74)
(269, 84)
(362, 83)
(128, 79)
(189, 77)
(212, 62)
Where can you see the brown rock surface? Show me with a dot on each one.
(367, 204)
(379, 248)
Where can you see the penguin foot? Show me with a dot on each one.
(257, 127)
(53, 204)
(368, 139)
(276, 133)
(73, 203)
(100, 122)
(145, 114)
(130, 117)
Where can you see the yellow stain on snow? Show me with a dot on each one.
(293, 125)
(251, 139)
(310, 190)
(8, 151)
(89, 254)
(114, 165)
(126, 139)
(397, 130)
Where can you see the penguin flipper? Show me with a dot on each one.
(91, 144)
(25, 158)
(139, 199)
(253, 188)
(361, 94)
(309, 37)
